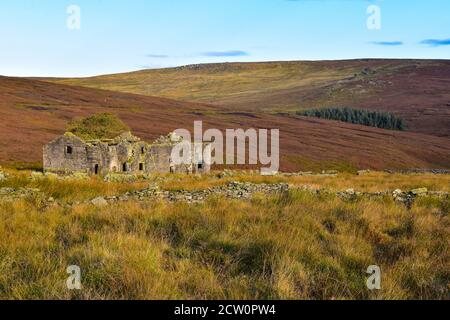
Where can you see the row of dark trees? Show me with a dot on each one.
(384, 120)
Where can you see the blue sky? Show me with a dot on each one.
(126, 35)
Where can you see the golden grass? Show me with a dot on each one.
(219, 83)
(371, 182)
(295, 246)
(71, 189)
(82, 190)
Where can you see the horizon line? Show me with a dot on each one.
(212, 63)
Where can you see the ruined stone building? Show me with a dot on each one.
(125, 154)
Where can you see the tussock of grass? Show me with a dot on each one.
(71, 190)
(293, 246)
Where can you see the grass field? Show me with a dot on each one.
(296, 245)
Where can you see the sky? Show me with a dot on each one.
(92, 37)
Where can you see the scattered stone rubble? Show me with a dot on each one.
(362, 172)
(99, 202)
(232, 173)
(232, 190)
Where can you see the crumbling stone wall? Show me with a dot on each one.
(67, 153)
(131, 156)
(158, 159)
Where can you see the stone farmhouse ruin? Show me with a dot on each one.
(124, 154)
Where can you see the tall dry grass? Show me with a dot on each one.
(80, 190)
(70, 190)
(293, 246)
(371, 182)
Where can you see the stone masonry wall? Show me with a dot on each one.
(57, 157)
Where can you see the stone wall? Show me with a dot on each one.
(67, 153)
(158, 159)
